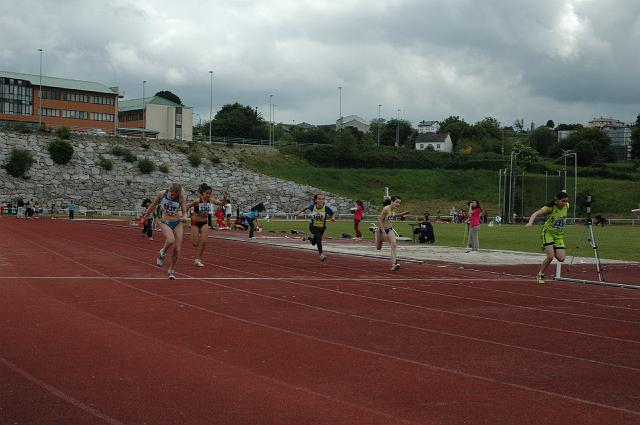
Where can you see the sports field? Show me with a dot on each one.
(94, 333)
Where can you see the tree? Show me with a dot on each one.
(456, 127)
(518, 124)
(389, 130)
(591, 144)
(543, 140)
(313, 135)
(524, 152)
(236, 120)
(635, 142)
(550, 124)
(489, 126)
(568, 127)
(169, 96)
(638, 121)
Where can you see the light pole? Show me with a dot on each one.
(144, 122)
(398, 130)
(379, 106)
(210, 103)
(273, 126)
(270, 118)
(40, 94)
(340, 120)
(510, 207)
(575, 179)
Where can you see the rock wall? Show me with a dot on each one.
(124, 186)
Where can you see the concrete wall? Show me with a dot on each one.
(124, 187)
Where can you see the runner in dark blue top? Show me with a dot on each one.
(199, 219)
(318, 224)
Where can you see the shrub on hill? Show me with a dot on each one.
(60, 151)
(20, 160)
(146, 166)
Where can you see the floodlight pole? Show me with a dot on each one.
(40, 94)
(270, 118)
(398, 130)
(513, 154)
(379, 106)
(210, 104)
(340, 121)
(144, 122)
(575, 179)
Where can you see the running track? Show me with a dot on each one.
(92, 332)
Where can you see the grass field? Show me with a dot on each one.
(439, 190)
(614, 242)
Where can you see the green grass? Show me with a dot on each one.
(439, 190)
(614, 242)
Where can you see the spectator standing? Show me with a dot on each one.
(72, 208)
(20, 210)
(475, 212)
(358, 215)
(227, 214)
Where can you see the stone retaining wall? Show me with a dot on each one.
(124, 187)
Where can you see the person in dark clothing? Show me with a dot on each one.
(425, 231)
(600, 220)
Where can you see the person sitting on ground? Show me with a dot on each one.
(600, 220)
(425, 230)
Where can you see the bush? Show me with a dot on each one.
(164, 168)
(183, 149)
(146, 166)
(60, 151)
(124, 153)
(195, 159)
(119, 151)
(20, 160)
(22, 128)
(214, 159)
(230, 145)
(129, 157)
(63, 132)
(105, 163)
(145, 145)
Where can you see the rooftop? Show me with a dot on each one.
(62, 83)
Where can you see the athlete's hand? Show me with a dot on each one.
(333, 218)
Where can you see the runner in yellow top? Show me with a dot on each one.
(552, 230)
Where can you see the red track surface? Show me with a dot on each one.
(92, 332)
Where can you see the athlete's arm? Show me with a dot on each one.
(535, 215)
(153, 205)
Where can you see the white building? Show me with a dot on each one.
(353, 121)
(428, 127)
(439, 142)
(163, 117)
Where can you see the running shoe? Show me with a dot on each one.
(160, 259)
(172, 276)
(198, 262)
(323, 257)
(150, 238)
(395, 267)
(540, 278)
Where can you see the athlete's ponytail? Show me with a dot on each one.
(561, 195)
(203, 188)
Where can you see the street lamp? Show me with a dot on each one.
(144, 122)
(270, 118)
(40, 94)
(575, 179)
(510, 207)
(340, 121)
(379, 106)
(398, 130)
(210, 103)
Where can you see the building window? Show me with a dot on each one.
(438, 146)
(178, 133)
(78, 115)
(16, 97)
(102, 100)
(76, 97)
(99, 116)
(50, 112)
(51, 94)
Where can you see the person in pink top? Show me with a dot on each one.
(358, 215)
(474, 226)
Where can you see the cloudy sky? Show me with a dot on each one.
(565, 60)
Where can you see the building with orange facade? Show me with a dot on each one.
(79, 105)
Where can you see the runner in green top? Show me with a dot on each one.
(552, 230)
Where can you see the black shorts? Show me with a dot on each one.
(199, 224)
